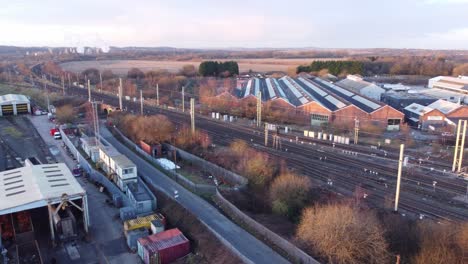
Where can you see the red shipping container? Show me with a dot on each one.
(142, 242)
(169, 246)
(153, 150)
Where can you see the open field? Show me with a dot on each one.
(121, 67)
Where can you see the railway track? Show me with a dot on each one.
(306, 158)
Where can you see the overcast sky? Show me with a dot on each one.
(435, 24)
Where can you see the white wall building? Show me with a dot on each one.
(456, 84)
(121, 170)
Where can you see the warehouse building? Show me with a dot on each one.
(51, 187)
(14, 104)
(456, 84)
(400, 100)
(356, 84)
(322, 101)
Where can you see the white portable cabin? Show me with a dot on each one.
(122, 170)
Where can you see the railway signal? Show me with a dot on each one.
(400, 166)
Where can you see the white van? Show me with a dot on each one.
(57, 135)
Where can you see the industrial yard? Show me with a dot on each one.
(171, 132)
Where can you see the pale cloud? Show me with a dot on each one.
(446, 1)
(236, 23)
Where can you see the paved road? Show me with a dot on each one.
(245, 243)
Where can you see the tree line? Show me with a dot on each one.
(398, 65)
(215, 68)
(334, 67)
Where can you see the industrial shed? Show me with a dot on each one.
(44, 185)
(14, 104)
(357, 84)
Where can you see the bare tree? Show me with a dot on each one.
(342, 234)
(441, 243)
(65, 114)
(289, 193)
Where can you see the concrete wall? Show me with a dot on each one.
(287, 247)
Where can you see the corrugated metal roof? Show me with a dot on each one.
(32, 186)
(247, 88)
(271, 91)
(158, 245)
(357, 100)
(444, 106)
(365, 101)
(320, 96)
(418, 109)
(13, 98)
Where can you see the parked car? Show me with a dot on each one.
(57, 135)
(77, 171)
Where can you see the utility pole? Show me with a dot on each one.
(89, 90)
(120, 94)
(100, 78)
(63, 85)
(400, 166)
(183, 99)
(356, 130)
(157, 94)
(94, 110)
(266, 134)
(462, 146)
(69, 80)
(47, 95)
(459, 146)
(259, 109)
(97, 121)
(457, 141)
(192, 114)
(141, 102)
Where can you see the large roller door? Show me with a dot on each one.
(7, 110)
(22, 108)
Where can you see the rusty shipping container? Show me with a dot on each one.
(154, 150)
(166, 247)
